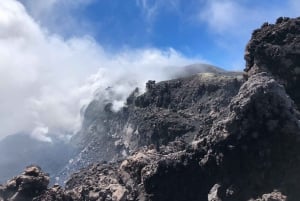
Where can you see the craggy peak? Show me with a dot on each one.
(207, 134)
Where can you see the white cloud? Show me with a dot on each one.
(45, 79)
(236, 17)
(221, 15)
(41, 133)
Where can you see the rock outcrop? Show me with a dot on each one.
(275, 48)
(208, 137)
(31, 183)
(180, 108)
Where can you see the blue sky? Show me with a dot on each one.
(212, 30)
(56, 54)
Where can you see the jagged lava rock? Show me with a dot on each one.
(31, 183)
(275, 48)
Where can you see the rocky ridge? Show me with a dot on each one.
(208, 137)
(168, 110)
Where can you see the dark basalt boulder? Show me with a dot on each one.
(31, 183)
(256, 148)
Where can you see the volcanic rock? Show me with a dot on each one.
(31, 183)
(275, 48)
(180, 108)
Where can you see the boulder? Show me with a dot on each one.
(31, 183)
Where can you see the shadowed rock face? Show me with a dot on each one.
(208, 137)
(275, 48)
